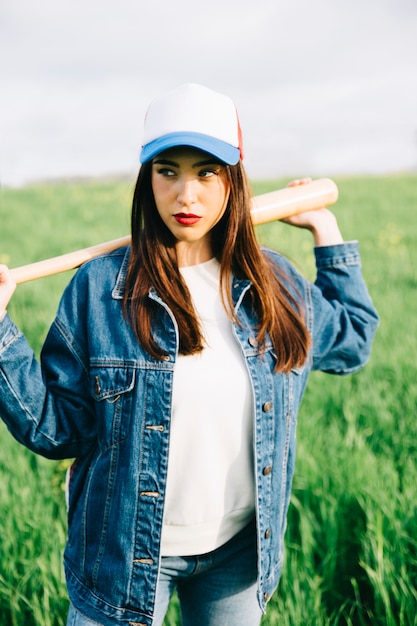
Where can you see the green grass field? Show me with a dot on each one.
(352, 529)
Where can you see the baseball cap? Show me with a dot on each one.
(195, 116)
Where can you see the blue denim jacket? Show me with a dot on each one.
(102, 399)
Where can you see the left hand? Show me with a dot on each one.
(321, 222)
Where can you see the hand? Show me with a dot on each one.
(320, 222)
(7, 288)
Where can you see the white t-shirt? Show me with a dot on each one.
(210, 483)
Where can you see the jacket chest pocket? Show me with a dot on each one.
(111, 387)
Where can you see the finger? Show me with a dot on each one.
(7, 283)
(299, 181)
(4, 273)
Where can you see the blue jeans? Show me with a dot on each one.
(214, 588)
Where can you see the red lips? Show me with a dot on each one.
(187, 219)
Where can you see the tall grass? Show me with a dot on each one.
(351, 543)
(32, 521)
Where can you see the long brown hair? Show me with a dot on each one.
(153, 264)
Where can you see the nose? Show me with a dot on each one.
(187, 192)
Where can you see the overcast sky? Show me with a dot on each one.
(322, 86)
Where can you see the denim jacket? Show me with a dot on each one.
(99, 397)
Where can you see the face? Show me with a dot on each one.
(191, 193)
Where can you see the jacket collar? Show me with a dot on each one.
(239, 286)
(119, 288)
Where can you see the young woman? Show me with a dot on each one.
(173, 374)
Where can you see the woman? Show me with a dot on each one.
(173, 374)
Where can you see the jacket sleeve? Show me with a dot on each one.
(48, 409)
(344, 319)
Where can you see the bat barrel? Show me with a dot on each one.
(277, 205)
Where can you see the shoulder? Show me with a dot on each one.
(290, 279)
(274, 256)
(283, 268)
(95, 290)
(99, 279)
(103, 270)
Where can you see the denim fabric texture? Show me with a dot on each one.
(100, 398)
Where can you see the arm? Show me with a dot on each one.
(344, 319)
(49, 412)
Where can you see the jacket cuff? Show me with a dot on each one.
(8, 332)
(341, 254)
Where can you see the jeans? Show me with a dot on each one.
(75, 618)
(213, 589)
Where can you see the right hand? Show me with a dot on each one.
(7, 288)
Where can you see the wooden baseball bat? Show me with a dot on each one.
(266, 207)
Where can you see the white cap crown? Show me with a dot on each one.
(195, 116)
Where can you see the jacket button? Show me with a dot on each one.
(267, 406)
(267, 533)
(267, 470)
(253, 342)
(266, 596)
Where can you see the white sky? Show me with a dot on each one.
(322, 86)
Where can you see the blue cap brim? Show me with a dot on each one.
(221, 150)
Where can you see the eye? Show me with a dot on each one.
(208, 172)
(165, 171)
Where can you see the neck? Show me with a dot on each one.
(194, 254)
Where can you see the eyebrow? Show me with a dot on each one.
(198, 164)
